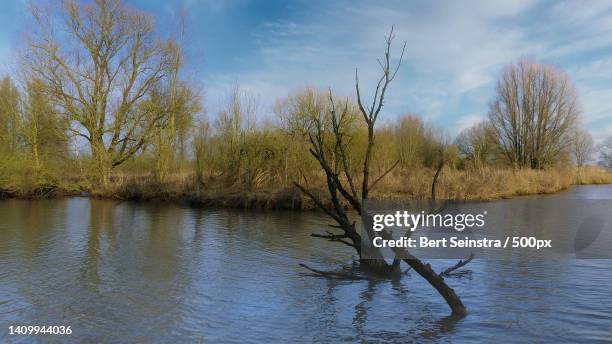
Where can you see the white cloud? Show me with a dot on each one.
(468, 121)
(600, 134)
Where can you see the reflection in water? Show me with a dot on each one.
(100, 228)
(130, 272)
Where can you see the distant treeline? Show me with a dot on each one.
(107, 99)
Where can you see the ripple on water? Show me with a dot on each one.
(129, 272)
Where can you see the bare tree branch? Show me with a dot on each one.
(459, 265)
(384, 174)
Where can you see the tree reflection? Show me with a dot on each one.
(101, 217)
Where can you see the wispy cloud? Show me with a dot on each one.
(468, 121)
(455, 52)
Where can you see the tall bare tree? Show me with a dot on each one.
(233, 125)
(169, 143)
(100, 61)
(328, 146)
(534, 109)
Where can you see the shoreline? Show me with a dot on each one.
(288, 199)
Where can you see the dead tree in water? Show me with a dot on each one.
(342, 189)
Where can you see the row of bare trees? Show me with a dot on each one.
(238, 149)
(116, 86)
(533, 122)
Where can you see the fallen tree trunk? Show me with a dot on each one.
(434, 279)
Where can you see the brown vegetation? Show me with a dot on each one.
(485, 184)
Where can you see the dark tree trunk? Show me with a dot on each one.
(436, 281)
(341, 188)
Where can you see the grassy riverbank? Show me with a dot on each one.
(476, 184)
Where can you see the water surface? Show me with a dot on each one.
(160, 273)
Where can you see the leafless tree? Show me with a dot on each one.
(582, 146)
(100, 62)
(605, 153)
(477, 143)
(328, 147)
(532, 114)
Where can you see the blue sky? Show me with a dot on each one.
(455, 49)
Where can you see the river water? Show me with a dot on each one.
(123, 272)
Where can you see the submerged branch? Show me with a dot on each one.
(335, 275)
(334, 237)
(459, 265)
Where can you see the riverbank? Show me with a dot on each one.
(477, 184)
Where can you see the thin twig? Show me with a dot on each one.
(383, 175)
(459, 265)
(435, 180)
